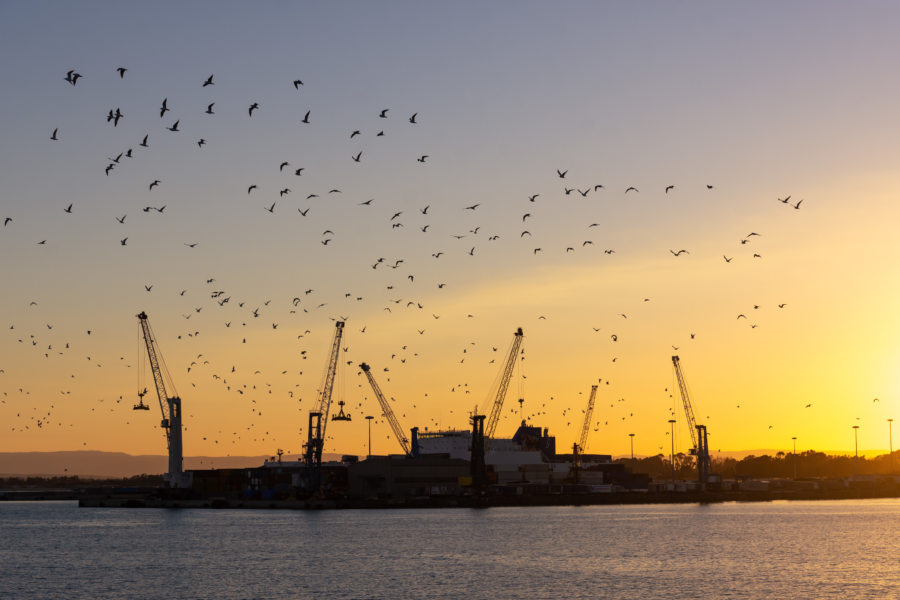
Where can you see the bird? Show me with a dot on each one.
(53, 137)
(209, 109)
(473, 207)
(283, 165)
(200, 142)
(797, 206)
(253, 107)
(669, 187)
(154, 183)
(68, 209)
(144, 141)
(122, 220)
(271, 209)
(785, 200)
(191, 245)
(355, 133)
(533, 198)
(251, 188)
(209, 81)
(284, 191)
(303, 212)
(121, 71)
(631, 189)
(383, 113)
(174, 126)
(297, 84)
(123, 242)
(306, 118)
(412, 119)
(422, 158)
(562, 174)
(146, 287)
(164, 108)
(728, 260)
(525, 216)
(679, 253)
(357, 157)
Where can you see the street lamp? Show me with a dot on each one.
(672, 434)
(891, 444)
(856, 446)
(795, 456)
(631, 435)
(369, 419)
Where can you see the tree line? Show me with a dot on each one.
(809, 464)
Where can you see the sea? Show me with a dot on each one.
(823, 549)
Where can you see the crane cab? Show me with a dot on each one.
(340, 416)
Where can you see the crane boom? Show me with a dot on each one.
(323, 407)
(688, 409)
(170, 406)
(387, 410)
(588, 413)
(505, 377)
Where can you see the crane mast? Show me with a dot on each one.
(505, 377)
(170, 406)
(318, 418)
(588, 413)
(387, 410)
(699, 440)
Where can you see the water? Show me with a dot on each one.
(827, 549)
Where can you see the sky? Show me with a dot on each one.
(427, 260)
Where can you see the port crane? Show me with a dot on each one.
(387, 410)
(318, 418)
(699, 440)
(169, 405)
(505, 376)
(578, 447)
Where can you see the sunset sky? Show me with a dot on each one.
(735, 105)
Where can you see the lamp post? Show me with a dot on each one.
(369, 419)
(856, 447)
(795, 456)
(672, 434)
(631, 435)
(891, 444)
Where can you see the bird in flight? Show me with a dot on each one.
(53, 137)
(72, 77)
(728, 260)
(154, 183)
(679, 253)
(174, 126)
(669, 187)
(297, 84)
(562, 174)
(209, 109)
(251, 188)
(412, 119)
(306, 118)
(271, 209)
(784, 200)
(122, 220)
(253, 107)
(68, 209)
(383, 113)
(422, 158)
(209, 81)
(473, 207)
(357, 157)
(797, 206)
(631, 189)
(164, 108)
(283, 165)
(144, 141)
(124, 242)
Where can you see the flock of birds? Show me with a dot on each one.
(249, 315)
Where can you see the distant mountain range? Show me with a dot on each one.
(89, 463)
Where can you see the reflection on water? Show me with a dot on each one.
(829, 549)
